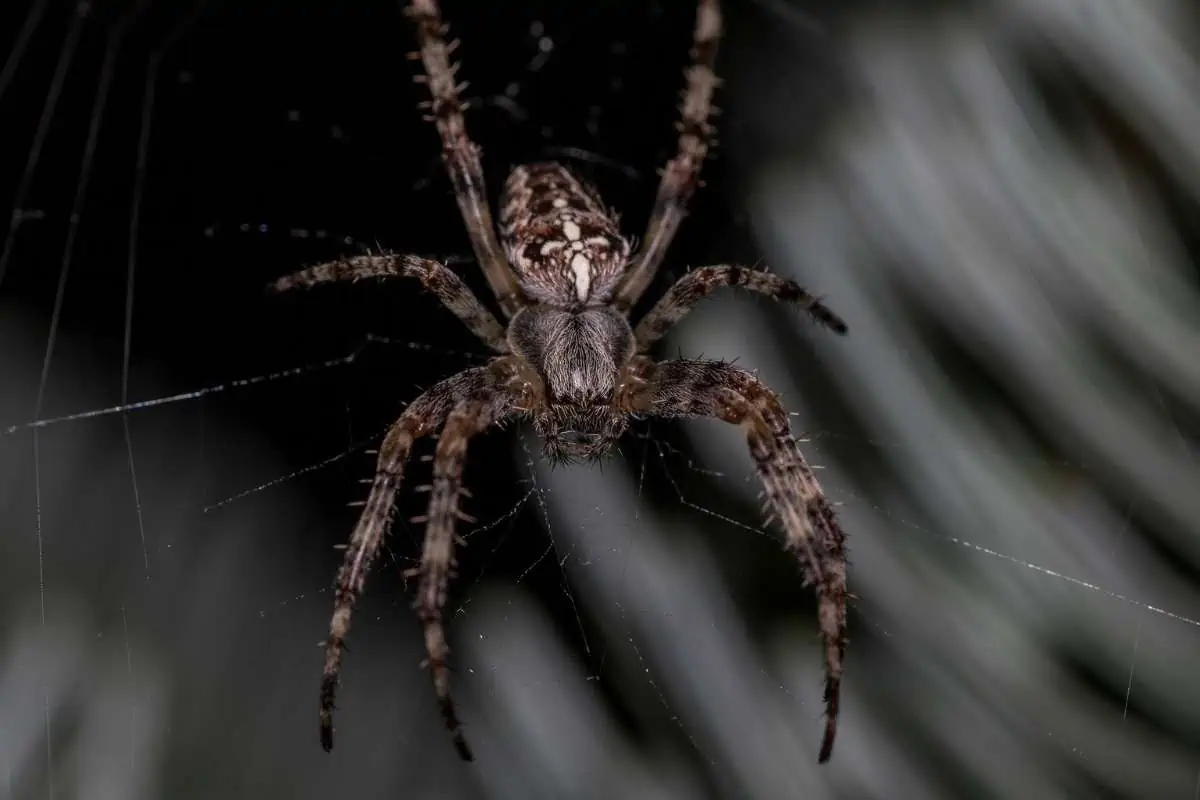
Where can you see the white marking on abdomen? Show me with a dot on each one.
(571, 230)
(583, 275)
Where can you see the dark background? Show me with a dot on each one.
(240, 142)
(164, 647)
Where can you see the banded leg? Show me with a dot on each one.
(437, 561)
(813, 535)
(424, 416)
(460, 153)
(434, 276)
(700, 283)
(682, 173)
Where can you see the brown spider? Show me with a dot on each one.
(570, 361)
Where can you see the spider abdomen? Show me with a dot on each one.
(564, 246)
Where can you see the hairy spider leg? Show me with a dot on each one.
(437, 559)
(459, 152)
(723, 391)
(434, 276)
(682, 173)
(424, 416)
(700, 283)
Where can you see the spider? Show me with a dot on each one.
(570, 360)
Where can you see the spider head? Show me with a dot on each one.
(579, 356)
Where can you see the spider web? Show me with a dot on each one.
(1010, 428)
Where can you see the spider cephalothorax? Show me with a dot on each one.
(569, 360)
(579, 354)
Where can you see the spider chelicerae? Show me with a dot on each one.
(569, 359)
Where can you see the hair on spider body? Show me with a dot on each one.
(565, 248)
(568, 358)
(579, 354)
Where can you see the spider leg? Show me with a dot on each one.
(423, 416)
(682, 173)
(460, 153)
(434, 276)
(723, 391)
(700, 283)
(468, 419)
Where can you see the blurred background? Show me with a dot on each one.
(1002, 199)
